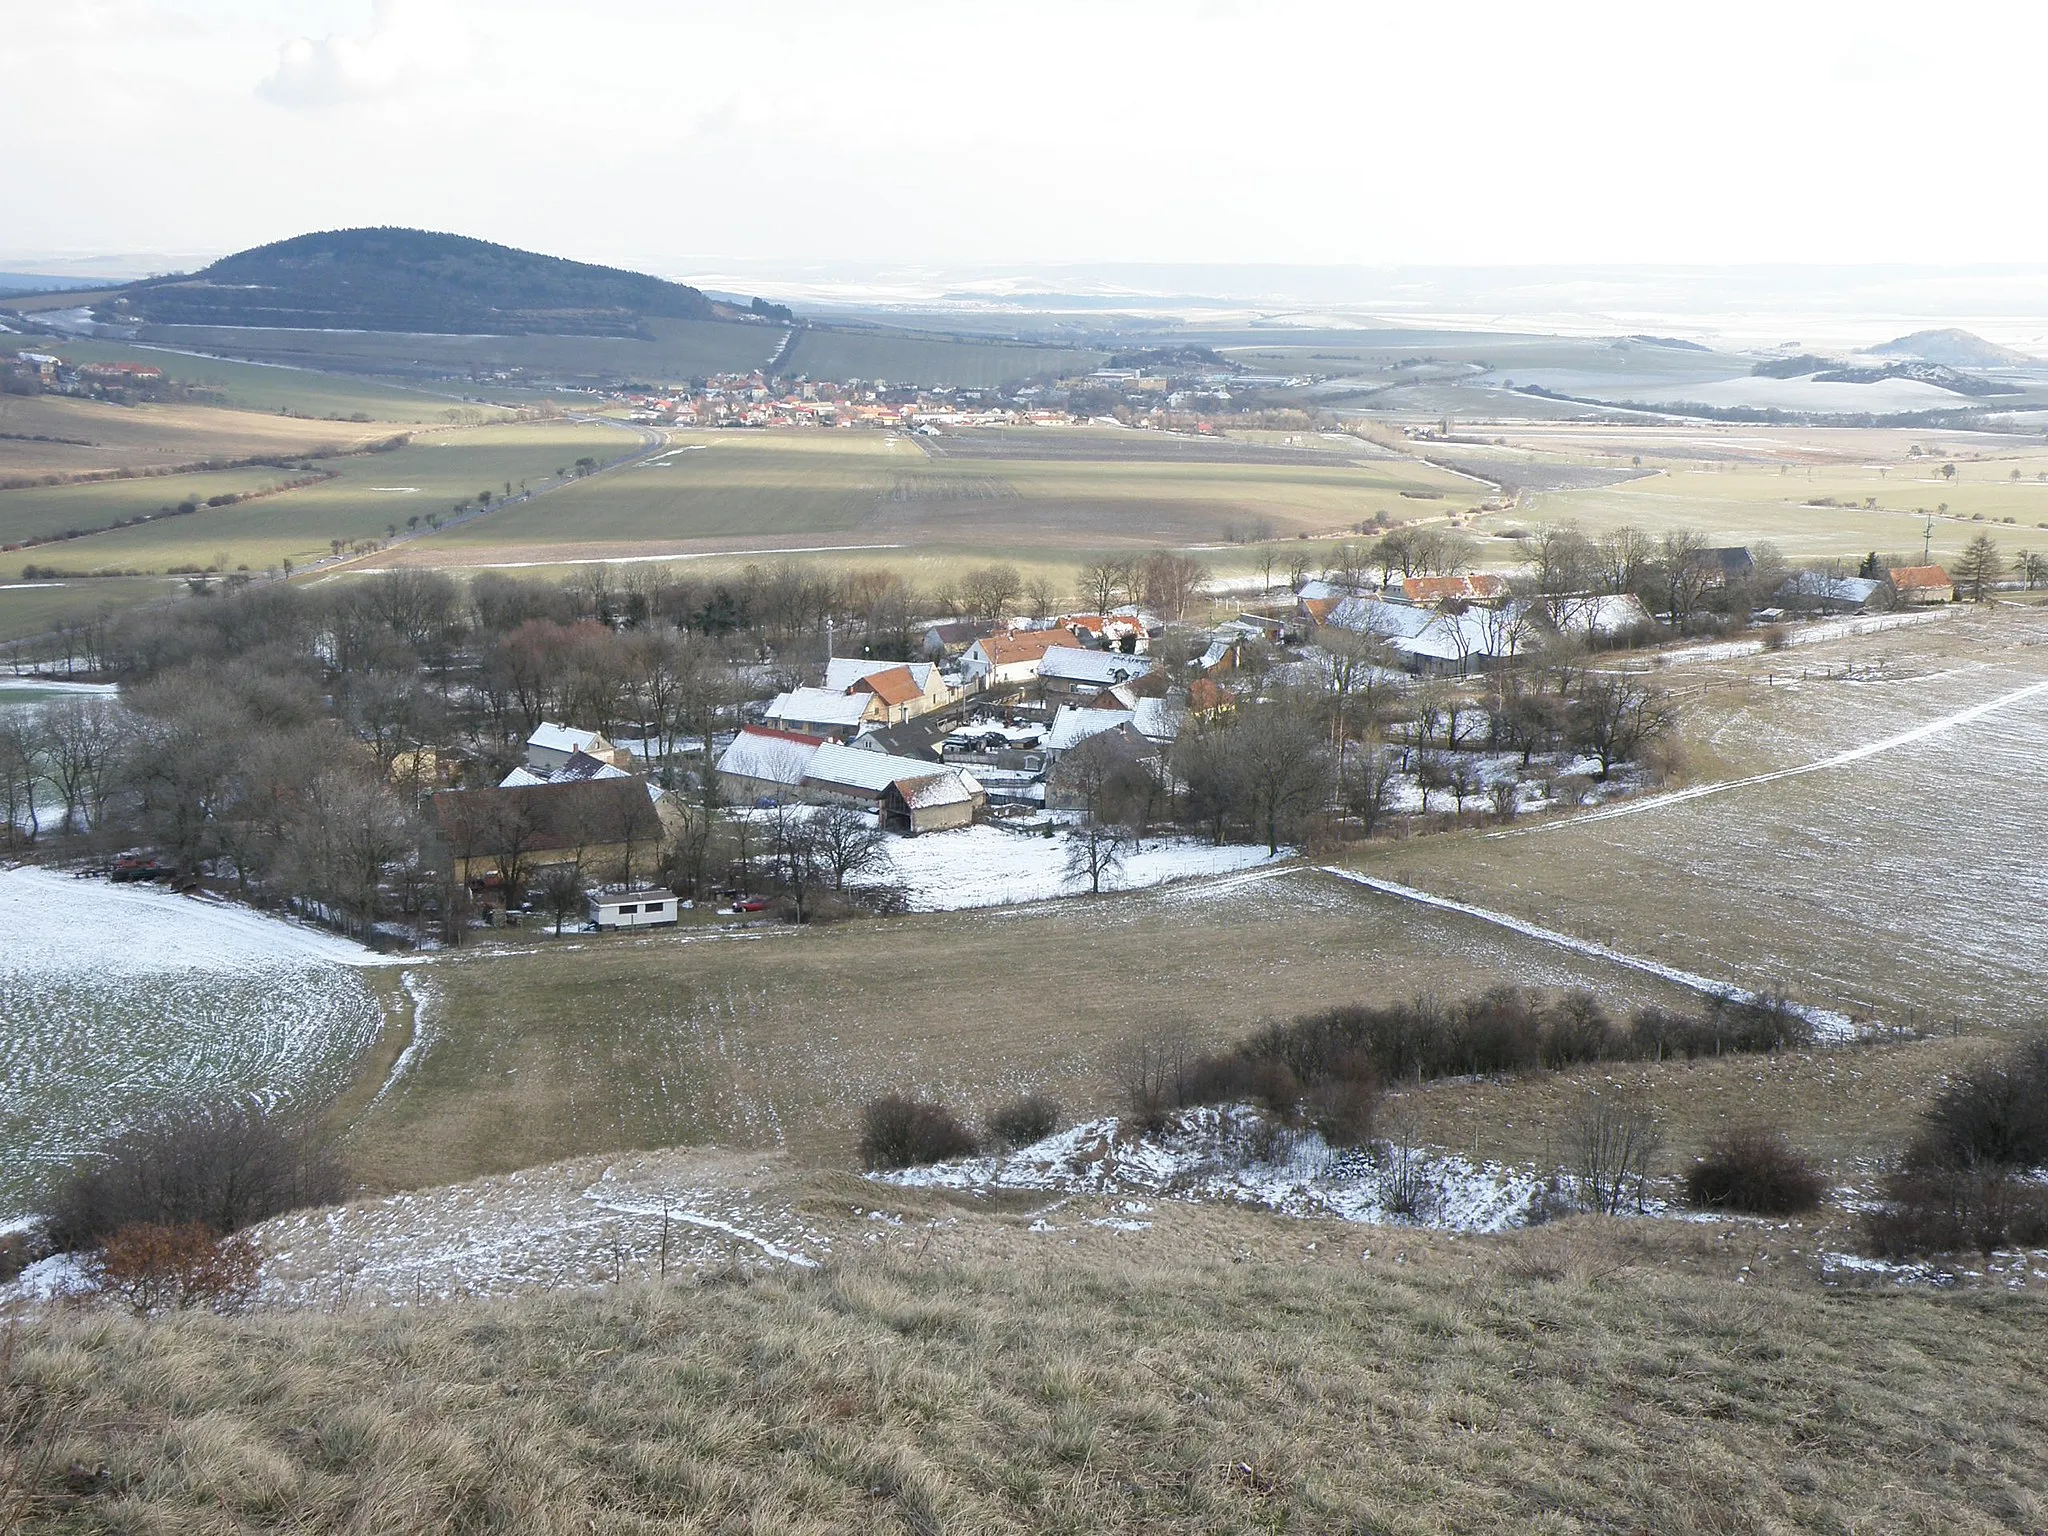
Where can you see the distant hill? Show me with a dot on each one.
(411, 280)
(1955, 348)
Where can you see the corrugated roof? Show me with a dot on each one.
(1106, 668)
(854, 768)
(1071, 726)
(553, 737)
(773, 757)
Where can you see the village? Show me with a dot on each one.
(1398, 704)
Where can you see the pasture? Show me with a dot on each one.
(675, 351)
(901, 358)
(1039, 496)
(774, 1037)
(42, 512)
(369, 493)
(34, 608)
(57, 435)
(294, 391)
(1903, 883)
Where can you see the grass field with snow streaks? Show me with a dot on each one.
(117, 1000)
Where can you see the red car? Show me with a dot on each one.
(751, 904)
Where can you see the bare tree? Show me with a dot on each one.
(1095, 852)
(849, 841)
(1610, 1153)
(84, 739)
(1685, 571)
(1614, 718)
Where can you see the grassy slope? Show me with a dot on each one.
(442, 466)
(91, 435)
(739, 485)
(1905, 883)
(33, 610)
(825, 354)
(1583, 1379)
(40, 511)
(252, 387)
(605, 1043)
(679, 350)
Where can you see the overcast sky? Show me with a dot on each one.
(946, 134)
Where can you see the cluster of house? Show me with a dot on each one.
(1077, 677)
(56, 376)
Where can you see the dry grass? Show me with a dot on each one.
(103, 436)
(776, 1039)
(1597, 1377)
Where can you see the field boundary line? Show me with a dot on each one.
(1869, 749)
(1827, 1020)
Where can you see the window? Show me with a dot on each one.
(626, 907)
(657, 906)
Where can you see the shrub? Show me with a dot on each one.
(219, 1165)
(1023, 1121)
(905, 1133)
(1994, 1114)
(156, 1268)
(1609, 1152)
(1948, 1210)
(1754, 1169)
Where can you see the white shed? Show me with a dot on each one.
(651, 908)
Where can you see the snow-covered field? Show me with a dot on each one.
(1221, 1155)
(116, 999)
(986, 866)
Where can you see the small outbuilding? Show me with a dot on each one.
(651, 907)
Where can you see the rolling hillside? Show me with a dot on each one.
(411, 280)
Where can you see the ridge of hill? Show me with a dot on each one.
(1951, 346)
(411, 280)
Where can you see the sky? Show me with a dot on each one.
(677, 135)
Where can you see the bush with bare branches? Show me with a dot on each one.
(155, 1268)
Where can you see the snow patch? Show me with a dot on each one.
(986, 866)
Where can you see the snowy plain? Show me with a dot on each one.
(986, 866)
(114, 999)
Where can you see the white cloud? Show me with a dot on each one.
(407, 45)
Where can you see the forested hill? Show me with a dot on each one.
(411, 280)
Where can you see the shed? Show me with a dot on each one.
(937, 802)
(652, 907)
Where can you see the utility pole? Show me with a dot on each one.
(1927, 543)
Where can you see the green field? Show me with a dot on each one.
(43, 511)
(369, 493)
(33, 608)
(253, 387)
(883, 488)
(900, 359)
(677, 351)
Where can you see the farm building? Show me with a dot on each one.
(1922, 585)
(939, 802)
(1074, 725)
(782, 766)
(999, 660)
(1813, 592)
(1726, 567)
(820, 712)
(609, 827)
(551, 745)
(1605, 614)
(1435, 591)
(1440, 644)
(649, 907)
(765, 764)
(942, 640)
(1074, 676)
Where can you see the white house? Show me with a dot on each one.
(819, 712)
(551, 745)
(649, 908)
(1075, 675)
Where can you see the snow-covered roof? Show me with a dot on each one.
(769, 756)
(1607, 613)
(818, 706)
(1071, 726)
(581, 765)
(856, 768)
(842, 672)
(1425, 632)
(1159, 719)
(1104, 668)
(1217, 653)
(1856, 590)
(552, 737)
(941, 788)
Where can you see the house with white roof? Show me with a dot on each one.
(581, 765)
(763, 764)
(819, 712)
(1073, 676)
(1442, 644)
(1813, 592)
(910, 794)
(551, 745)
